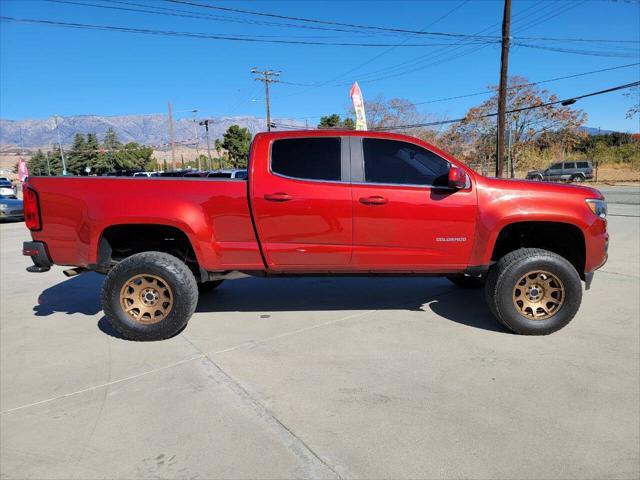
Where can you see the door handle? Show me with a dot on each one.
(277, 197)
(375, 200)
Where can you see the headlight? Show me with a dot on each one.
(599, 207)
(3, 206)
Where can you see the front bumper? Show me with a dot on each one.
(11, 214)
(39, 255)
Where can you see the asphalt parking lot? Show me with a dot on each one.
(321, 378)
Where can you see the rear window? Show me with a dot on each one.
(583, 164)
(307, 158)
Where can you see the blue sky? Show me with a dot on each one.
(48, 70)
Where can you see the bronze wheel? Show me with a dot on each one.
(538, 295)
(146, 298)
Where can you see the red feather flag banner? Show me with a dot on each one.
(23, 172)
(358, 106)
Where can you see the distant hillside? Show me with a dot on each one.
(147, 129)
(595, 131)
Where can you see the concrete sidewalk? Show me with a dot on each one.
(320, 378)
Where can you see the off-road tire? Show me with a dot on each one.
(465, 281)
(504, 275)
(205, 287)
(171, 270)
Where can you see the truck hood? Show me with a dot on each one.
(499, 186)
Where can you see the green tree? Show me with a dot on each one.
(37, 164)
(334, 121)
(133, 156)
(236, 142)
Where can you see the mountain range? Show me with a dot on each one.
(152, 130)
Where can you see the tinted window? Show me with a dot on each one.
(556, 166)
(583, 165)
(570, 165)
(390, 161)
(307, 158)
(220, 175)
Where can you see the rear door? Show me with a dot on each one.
(569, 170)
(405, 218)
(302, 204)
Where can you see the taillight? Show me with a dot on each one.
(31, 209)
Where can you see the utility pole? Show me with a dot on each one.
(171, 140)
(502, 92)
(267, 78)
(511, 163)
(64, 165)
(205, 122)
(195, 132)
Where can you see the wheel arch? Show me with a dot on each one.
(563, 238)
(119, 241)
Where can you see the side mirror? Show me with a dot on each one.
(457, 178)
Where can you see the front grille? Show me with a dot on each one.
(16, 212)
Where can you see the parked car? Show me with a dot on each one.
(7, 189)
(142, 174)
(240, 174)
(10, 208)
(322, 202)
(578, 171)
(173, 173)
(195, 174)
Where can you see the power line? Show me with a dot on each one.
(411, 64)
(235, 37)
(591, 53)
(439, 52)
(173, 12)
(380, 54)
(530, 84)
(566, 101)
(359, 26)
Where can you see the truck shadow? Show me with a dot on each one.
(464, 306)
(81, 295)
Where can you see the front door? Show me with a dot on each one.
(302, 204)
(404, 216)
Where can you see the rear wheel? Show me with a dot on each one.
(149, 296)
(533, 291)
(465, 281)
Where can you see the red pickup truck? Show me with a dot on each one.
(321, 203)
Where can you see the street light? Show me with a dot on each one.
(64, 165)
(195, 131)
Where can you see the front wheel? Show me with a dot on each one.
(577, 179)
(149, 296)
(533, 291)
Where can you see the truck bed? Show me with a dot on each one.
(213, 213)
